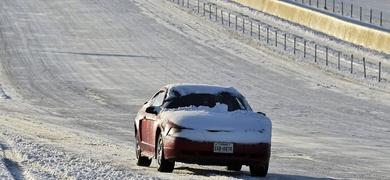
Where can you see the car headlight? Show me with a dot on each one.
(174, 130)
(177, 129)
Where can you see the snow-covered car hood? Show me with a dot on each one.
(218, 125)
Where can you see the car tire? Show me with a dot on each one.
(163, 165)
(234, 167)
(258, 170)
(141, 160)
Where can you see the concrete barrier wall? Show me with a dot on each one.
(367, 37)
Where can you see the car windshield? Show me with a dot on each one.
(233, 103)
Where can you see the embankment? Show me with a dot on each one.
(348, 31)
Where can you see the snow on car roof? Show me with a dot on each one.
(180, 89)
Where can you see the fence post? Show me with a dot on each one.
(381, 15)
(318, 4)
(364, 67)
(326, 54)
(204, 9)
(326, 7)
(276, 38)
(243, 26)
(310, 2)
(334, 6)
(259, 31)
(188, 3)
(222, 16)
(285, 41)
(198, 7)
(338, 60)
(251, 28)
(342, 8)
(370, 15)
(351, 63)
(304, 48)
(361, 18)
(216, 13)
(267, 35)
(351, 10)
(295, 43)
(210, 11)
(315, 53)
(380, 69)
(229, 19)
(236, 22)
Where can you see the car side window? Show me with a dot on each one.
(158, 99)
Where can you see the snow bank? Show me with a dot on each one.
(41, 162)
(367, 37)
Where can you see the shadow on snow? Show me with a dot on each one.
(242, 174)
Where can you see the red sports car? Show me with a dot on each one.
(202, 124)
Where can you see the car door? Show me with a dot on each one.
(147, 124)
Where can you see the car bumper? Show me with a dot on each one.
(188, 151)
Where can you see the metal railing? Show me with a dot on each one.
(321, 55)
(350, 10)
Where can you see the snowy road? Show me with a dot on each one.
(74, 73)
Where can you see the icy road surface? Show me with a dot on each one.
(74, 73)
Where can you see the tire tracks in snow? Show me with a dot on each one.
(12, 167)
(3, 95)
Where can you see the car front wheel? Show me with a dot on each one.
(141, 160)
(258, 170)
(163, 165)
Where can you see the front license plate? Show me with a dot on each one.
(223, 147)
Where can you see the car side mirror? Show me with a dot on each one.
(261, 113)
(151, 110)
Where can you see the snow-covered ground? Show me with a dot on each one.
(74, 73)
